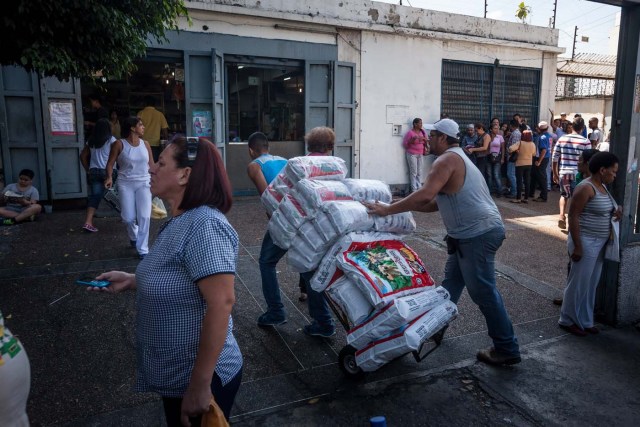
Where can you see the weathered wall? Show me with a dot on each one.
(588, 107)
(628, 310)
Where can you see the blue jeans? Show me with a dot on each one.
(318, 307)
(495, 176)
(473, 266)
(511, 176)
(270, 254)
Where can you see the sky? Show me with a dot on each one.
(594, 20)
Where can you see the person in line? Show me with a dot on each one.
(134, 158)
(116, 130)
(15, 379)
(99, 111)
(469, 140)
(565, 165)
(514, 138)
(526, 149)
(481, 151)
(604, 145)
(263, 169)
(186, 351)
(20, 200)
(496, 121)
(455, 187)
(590, 214)
(583, 173)
(496, 160)
(415, 145)
(94, 157)
(540, 164)
(595, 134)
(155, 124)
(583, 131)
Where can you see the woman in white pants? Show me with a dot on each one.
(590, 215)
(15, 380)
(134, 158)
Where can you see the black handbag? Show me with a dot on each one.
(494, 158)
(513, 156)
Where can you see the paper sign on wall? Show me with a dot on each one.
(62, 114)
(202, 122)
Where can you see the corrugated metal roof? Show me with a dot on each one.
(588, 65)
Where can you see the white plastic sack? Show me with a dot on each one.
(312, 194)
(317, 167)
(368, 190)
(303, 260)
(348, 216)
(406, 339)
(346, 295)
(275, 191)
(325, 228)
(394, 315)
(327, 268)
(291, 209)
(402, 223)
(281, 230)
(384, 270)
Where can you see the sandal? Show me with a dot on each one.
(562, 223)
(90, 228)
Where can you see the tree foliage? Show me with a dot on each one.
(75, 38)
(523, 12)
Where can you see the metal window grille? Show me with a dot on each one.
(583, 87)
(474, 92)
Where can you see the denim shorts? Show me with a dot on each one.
(95, 179)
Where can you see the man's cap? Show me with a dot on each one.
(470, 126)
(446, 126)
(563, 114)
(543, 125)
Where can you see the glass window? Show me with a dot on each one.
(265, 99)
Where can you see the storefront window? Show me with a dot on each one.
(265, 99)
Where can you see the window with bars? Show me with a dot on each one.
(474, 92)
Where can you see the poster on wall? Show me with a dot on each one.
(201, 121)
(62, 114)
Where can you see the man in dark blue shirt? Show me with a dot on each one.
(541, 163)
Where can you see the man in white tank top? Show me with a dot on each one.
(471, 244)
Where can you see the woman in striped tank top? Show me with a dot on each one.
(590, 214)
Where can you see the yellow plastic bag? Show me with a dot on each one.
(158, 211)
(214, 417)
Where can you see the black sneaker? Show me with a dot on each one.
(492, 357)
(271, 319)
(317, 330)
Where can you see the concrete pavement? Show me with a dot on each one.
(81, 345)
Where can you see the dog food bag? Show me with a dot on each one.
(316, 167)
(329, 265)
(402, 223)
(368, 190)
(312, 194)
(384, 270)
(281, 230)
(347, 296)
(292, 210)
(407, 338)
(395, 314)
(348, 216)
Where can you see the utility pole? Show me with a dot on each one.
(485, 8)
(555, 8)
(575, 38)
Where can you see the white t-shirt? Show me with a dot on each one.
(100, 156)
(595, 136)
(603, 146)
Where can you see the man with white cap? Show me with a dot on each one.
(456, 187)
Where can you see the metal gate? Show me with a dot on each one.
(477, 92)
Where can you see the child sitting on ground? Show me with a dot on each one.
(21, 200)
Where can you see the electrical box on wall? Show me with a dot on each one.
(396, 130)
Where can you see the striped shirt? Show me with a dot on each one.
(170, 308)
(595, 219)
(567, 152)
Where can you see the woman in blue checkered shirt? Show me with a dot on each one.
(186, 350)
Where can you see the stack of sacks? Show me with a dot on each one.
(382, 287)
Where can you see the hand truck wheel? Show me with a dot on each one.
(347, 361)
